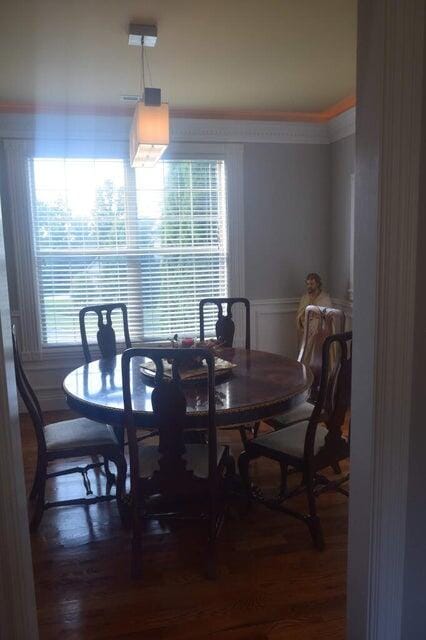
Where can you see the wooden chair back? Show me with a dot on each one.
(28, 396)
(320, 322)
(105, 336)
(334, 398)
(169, 408)
(225, 326)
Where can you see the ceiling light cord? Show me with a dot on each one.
(142, 80)
(148, 68)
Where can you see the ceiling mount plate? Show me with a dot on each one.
(142, 34)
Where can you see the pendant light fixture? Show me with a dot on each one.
(149, 134)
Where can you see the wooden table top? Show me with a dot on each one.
(262, 385)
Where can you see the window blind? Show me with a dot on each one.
(154, 239)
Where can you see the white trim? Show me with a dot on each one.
(351, 237)
(234, 162)
(16, 154)
(287, 303)
(341, 126)
(389, 130)
(114, 130)
(209, 130)
(17, 600)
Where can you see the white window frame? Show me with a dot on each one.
(18, 153)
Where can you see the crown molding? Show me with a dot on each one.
(210, 130)
(342, 125)
(109, 128)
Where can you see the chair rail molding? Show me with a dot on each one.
(389, 125)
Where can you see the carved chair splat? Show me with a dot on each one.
(225, 325)
(106, 337)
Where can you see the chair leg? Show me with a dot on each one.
(243, 435)
(336, 468)
(120, 491)
(243, 432)
(36, 482)
(39, 500)
(136, 555)
(284, 474)
(211, 547)
(313, 521)
(243, 468)
(110, 477)
(136, 568)
(256, 429)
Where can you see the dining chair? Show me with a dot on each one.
(313, 445)
(225, 331)
(320, 323)
(75, 438)
(225, 325)
(106, 337)
(172, 478)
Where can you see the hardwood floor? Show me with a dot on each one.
(272, 584)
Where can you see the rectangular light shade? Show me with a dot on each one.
(149, 135)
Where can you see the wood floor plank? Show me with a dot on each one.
(272, 584)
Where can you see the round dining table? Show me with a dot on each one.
(260, 385)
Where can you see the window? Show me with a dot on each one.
(155, 239)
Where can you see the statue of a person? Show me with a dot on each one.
(314, 295)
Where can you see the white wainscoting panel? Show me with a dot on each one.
(274, 325)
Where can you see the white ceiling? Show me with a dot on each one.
(278, 55)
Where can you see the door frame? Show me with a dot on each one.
(388, 135)
(18, 614)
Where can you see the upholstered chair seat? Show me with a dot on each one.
(290, 440)
(76, 434)
(299, 414)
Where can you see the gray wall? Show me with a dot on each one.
(287, 217)
(342, 166)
